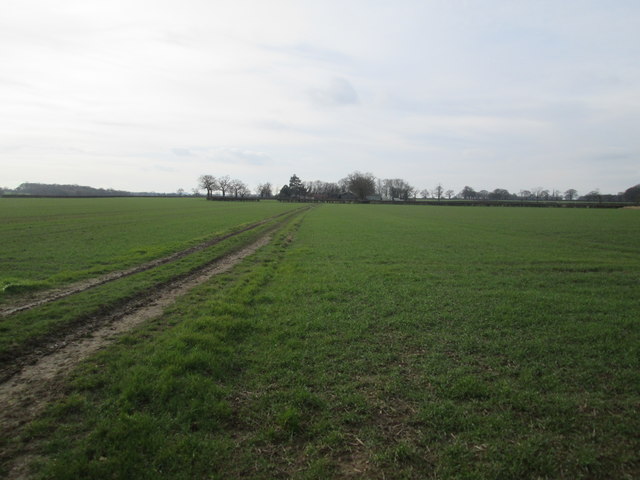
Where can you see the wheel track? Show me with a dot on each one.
(29, 391)
(84, 285)
(39, 380)
(13, 360)
(25, 392)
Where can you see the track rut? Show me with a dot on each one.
(56, 294)
(32, 380)
(28, 391)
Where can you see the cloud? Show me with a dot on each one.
(228, 155)
(181, 152)
(614, 155)
(339, 92)
(271, 124)
(239, 155)
(313, 53)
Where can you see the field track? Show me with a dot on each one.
(58, 293)
(32, 380)
(25, 394)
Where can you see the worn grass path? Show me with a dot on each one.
(51, 242)
(42, 298)
(27, 392)
(24, 394)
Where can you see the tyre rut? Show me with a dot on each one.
(14, 360)
(84, 285)
(29, 390)
(36, 379)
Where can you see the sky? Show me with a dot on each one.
(149, 95)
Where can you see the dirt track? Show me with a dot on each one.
(28, 391)
(56, 294)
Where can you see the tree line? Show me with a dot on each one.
(225, 185)
(537, 194)
(365, 186)
(356, 186)
(359, 186)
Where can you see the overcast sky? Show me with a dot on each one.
(148, 95)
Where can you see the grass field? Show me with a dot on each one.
(48, 242)
(35, 327)
(379, 341)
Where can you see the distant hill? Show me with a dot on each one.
(56, 190)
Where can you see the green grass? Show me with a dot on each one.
(48, 242)
(380, 341)
(21, 331)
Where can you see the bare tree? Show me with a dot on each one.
(449, 194)
(209, 183)
(224, 184)
(571, 194)
(397, 188)
(425, 193)
(265, 190)
(242, 191)
(538, 193)
(525, 194)
(237, 186)
(438, 191)
(593, 196)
